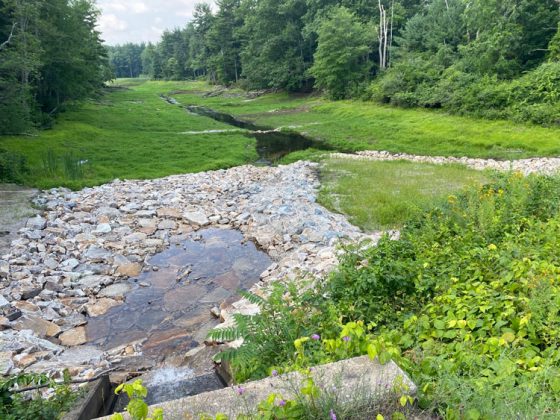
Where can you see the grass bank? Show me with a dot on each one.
(357, 125)
(128, 133)
(384, 195)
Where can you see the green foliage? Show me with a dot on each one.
(341, 60)
(136, 407)
(469, 294)
(16, 406)
(13, 166)
(286, 315)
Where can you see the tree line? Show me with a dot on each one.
(50, 53)
(468, 56)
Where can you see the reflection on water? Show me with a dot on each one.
(170, 307)
(271, 145)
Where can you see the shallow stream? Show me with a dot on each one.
(272, 145)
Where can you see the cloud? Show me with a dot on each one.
(142, 20)
(111, 23)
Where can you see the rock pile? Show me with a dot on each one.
(73, 261)
(545, 166)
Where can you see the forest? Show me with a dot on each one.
(493, 59)
(50, 54)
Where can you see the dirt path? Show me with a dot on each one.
(15, 208)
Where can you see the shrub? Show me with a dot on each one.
(470, 295)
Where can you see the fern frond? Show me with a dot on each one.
(253, 298)
(225, 334)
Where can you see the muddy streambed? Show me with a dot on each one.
(272, 145)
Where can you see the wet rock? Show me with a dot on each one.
(73, 337)
(100, 307)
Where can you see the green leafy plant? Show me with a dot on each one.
(268, 337)
(16, 406)
(136, 407)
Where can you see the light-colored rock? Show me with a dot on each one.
(36, 223)
(38, 325)
(73, 337)
(100, 307)
(103, 228)
(129, 269)
(6, 363)
(196, 217)
(116, 291)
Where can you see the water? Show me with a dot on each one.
(170, 308)
(271, 145)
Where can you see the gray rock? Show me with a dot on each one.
(6, 363)
(115, 291)
(98, 254)
(103, 228)
(36, 223)
(196, 218)
(4, 302)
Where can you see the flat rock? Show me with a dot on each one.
(129, 269)
(196, 218)
(169, 213)
(73, 337)
(115, 290)
(36, 223)
(38, 325)
(100, 307)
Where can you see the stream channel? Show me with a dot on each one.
(272, 145)
(168, 309)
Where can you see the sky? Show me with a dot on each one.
(141, 20)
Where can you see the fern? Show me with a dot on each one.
(224, 335)
(253, 298)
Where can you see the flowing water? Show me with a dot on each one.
(170, 308)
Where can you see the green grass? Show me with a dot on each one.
(384, 195)
(129, 134)
(357, 125)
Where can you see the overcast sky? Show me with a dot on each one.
(141, 20)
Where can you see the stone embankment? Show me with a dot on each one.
(74, 260)
(545, 166)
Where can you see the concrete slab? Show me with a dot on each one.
(358, 379)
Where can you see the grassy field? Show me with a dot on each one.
(356, 125)
(129, 133)
(384, 195)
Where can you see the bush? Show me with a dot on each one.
(470, 295)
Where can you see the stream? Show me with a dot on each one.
(272, 145)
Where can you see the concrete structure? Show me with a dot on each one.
(353, 381)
